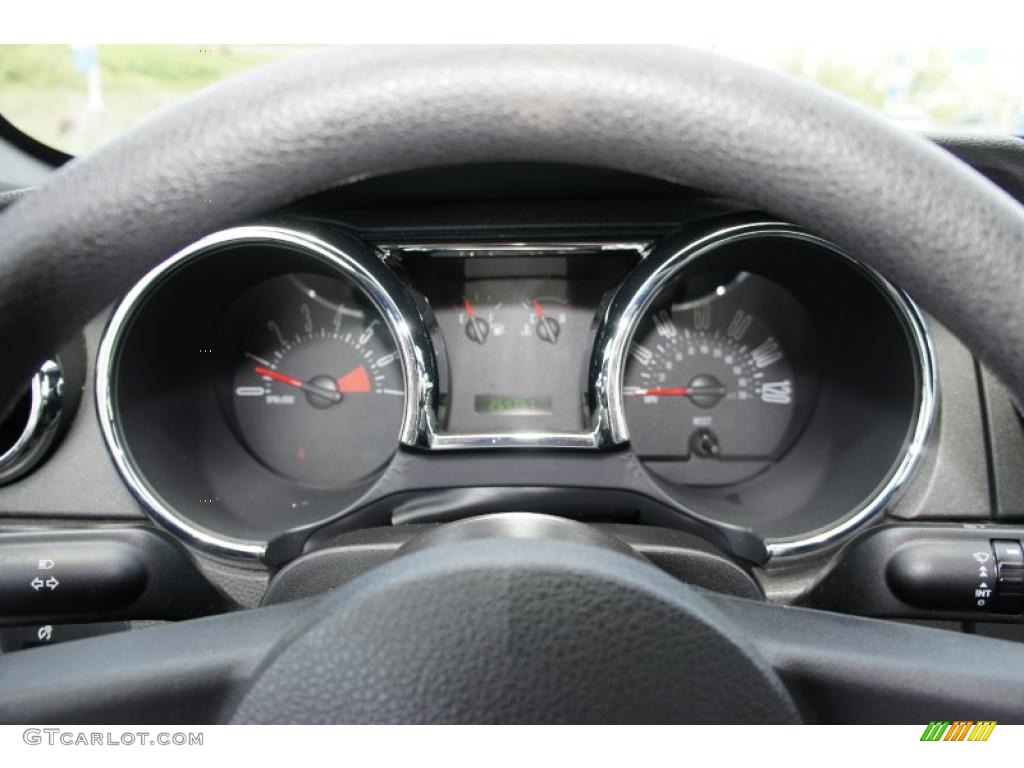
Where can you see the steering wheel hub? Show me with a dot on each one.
(517, 628)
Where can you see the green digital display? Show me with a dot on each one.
(512, 405)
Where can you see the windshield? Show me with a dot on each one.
(75, 97)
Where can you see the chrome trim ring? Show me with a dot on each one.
(484, 248)
(41, 427)
(624, 315)
(927, 408)
(411, 341)
(468, 441)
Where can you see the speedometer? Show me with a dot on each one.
(716, 385)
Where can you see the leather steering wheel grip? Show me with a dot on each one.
(925, 220)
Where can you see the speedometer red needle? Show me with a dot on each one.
(659, 391)
(538, 308)
(470, 312)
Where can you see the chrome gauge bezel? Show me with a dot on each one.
(45, 413)
(630, 304)
(384, 290)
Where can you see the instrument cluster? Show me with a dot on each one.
(743, 378)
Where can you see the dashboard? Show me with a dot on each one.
(286, 380)
(634, 423)
(365, 364)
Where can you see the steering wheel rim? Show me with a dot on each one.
(891, 199)
(921, 218)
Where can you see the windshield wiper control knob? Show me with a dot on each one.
(1009, 575)
(978, 575)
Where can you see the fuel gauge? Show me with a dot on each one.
(478, 316)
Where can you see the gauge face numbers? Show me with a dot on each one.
(710, 386)
(317, 390)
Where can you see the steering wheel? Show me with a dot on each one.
(520, 618)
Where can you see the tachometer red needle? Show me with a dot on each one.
(470, 312)
(331, 395)
(291, 381)
(659, 391)
(538, 308)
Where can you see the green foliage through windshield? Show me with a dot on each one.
(74, 98)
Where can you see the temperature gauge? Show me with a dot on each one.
(547, 316)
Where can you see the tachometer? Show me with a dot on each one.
(317, 390)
